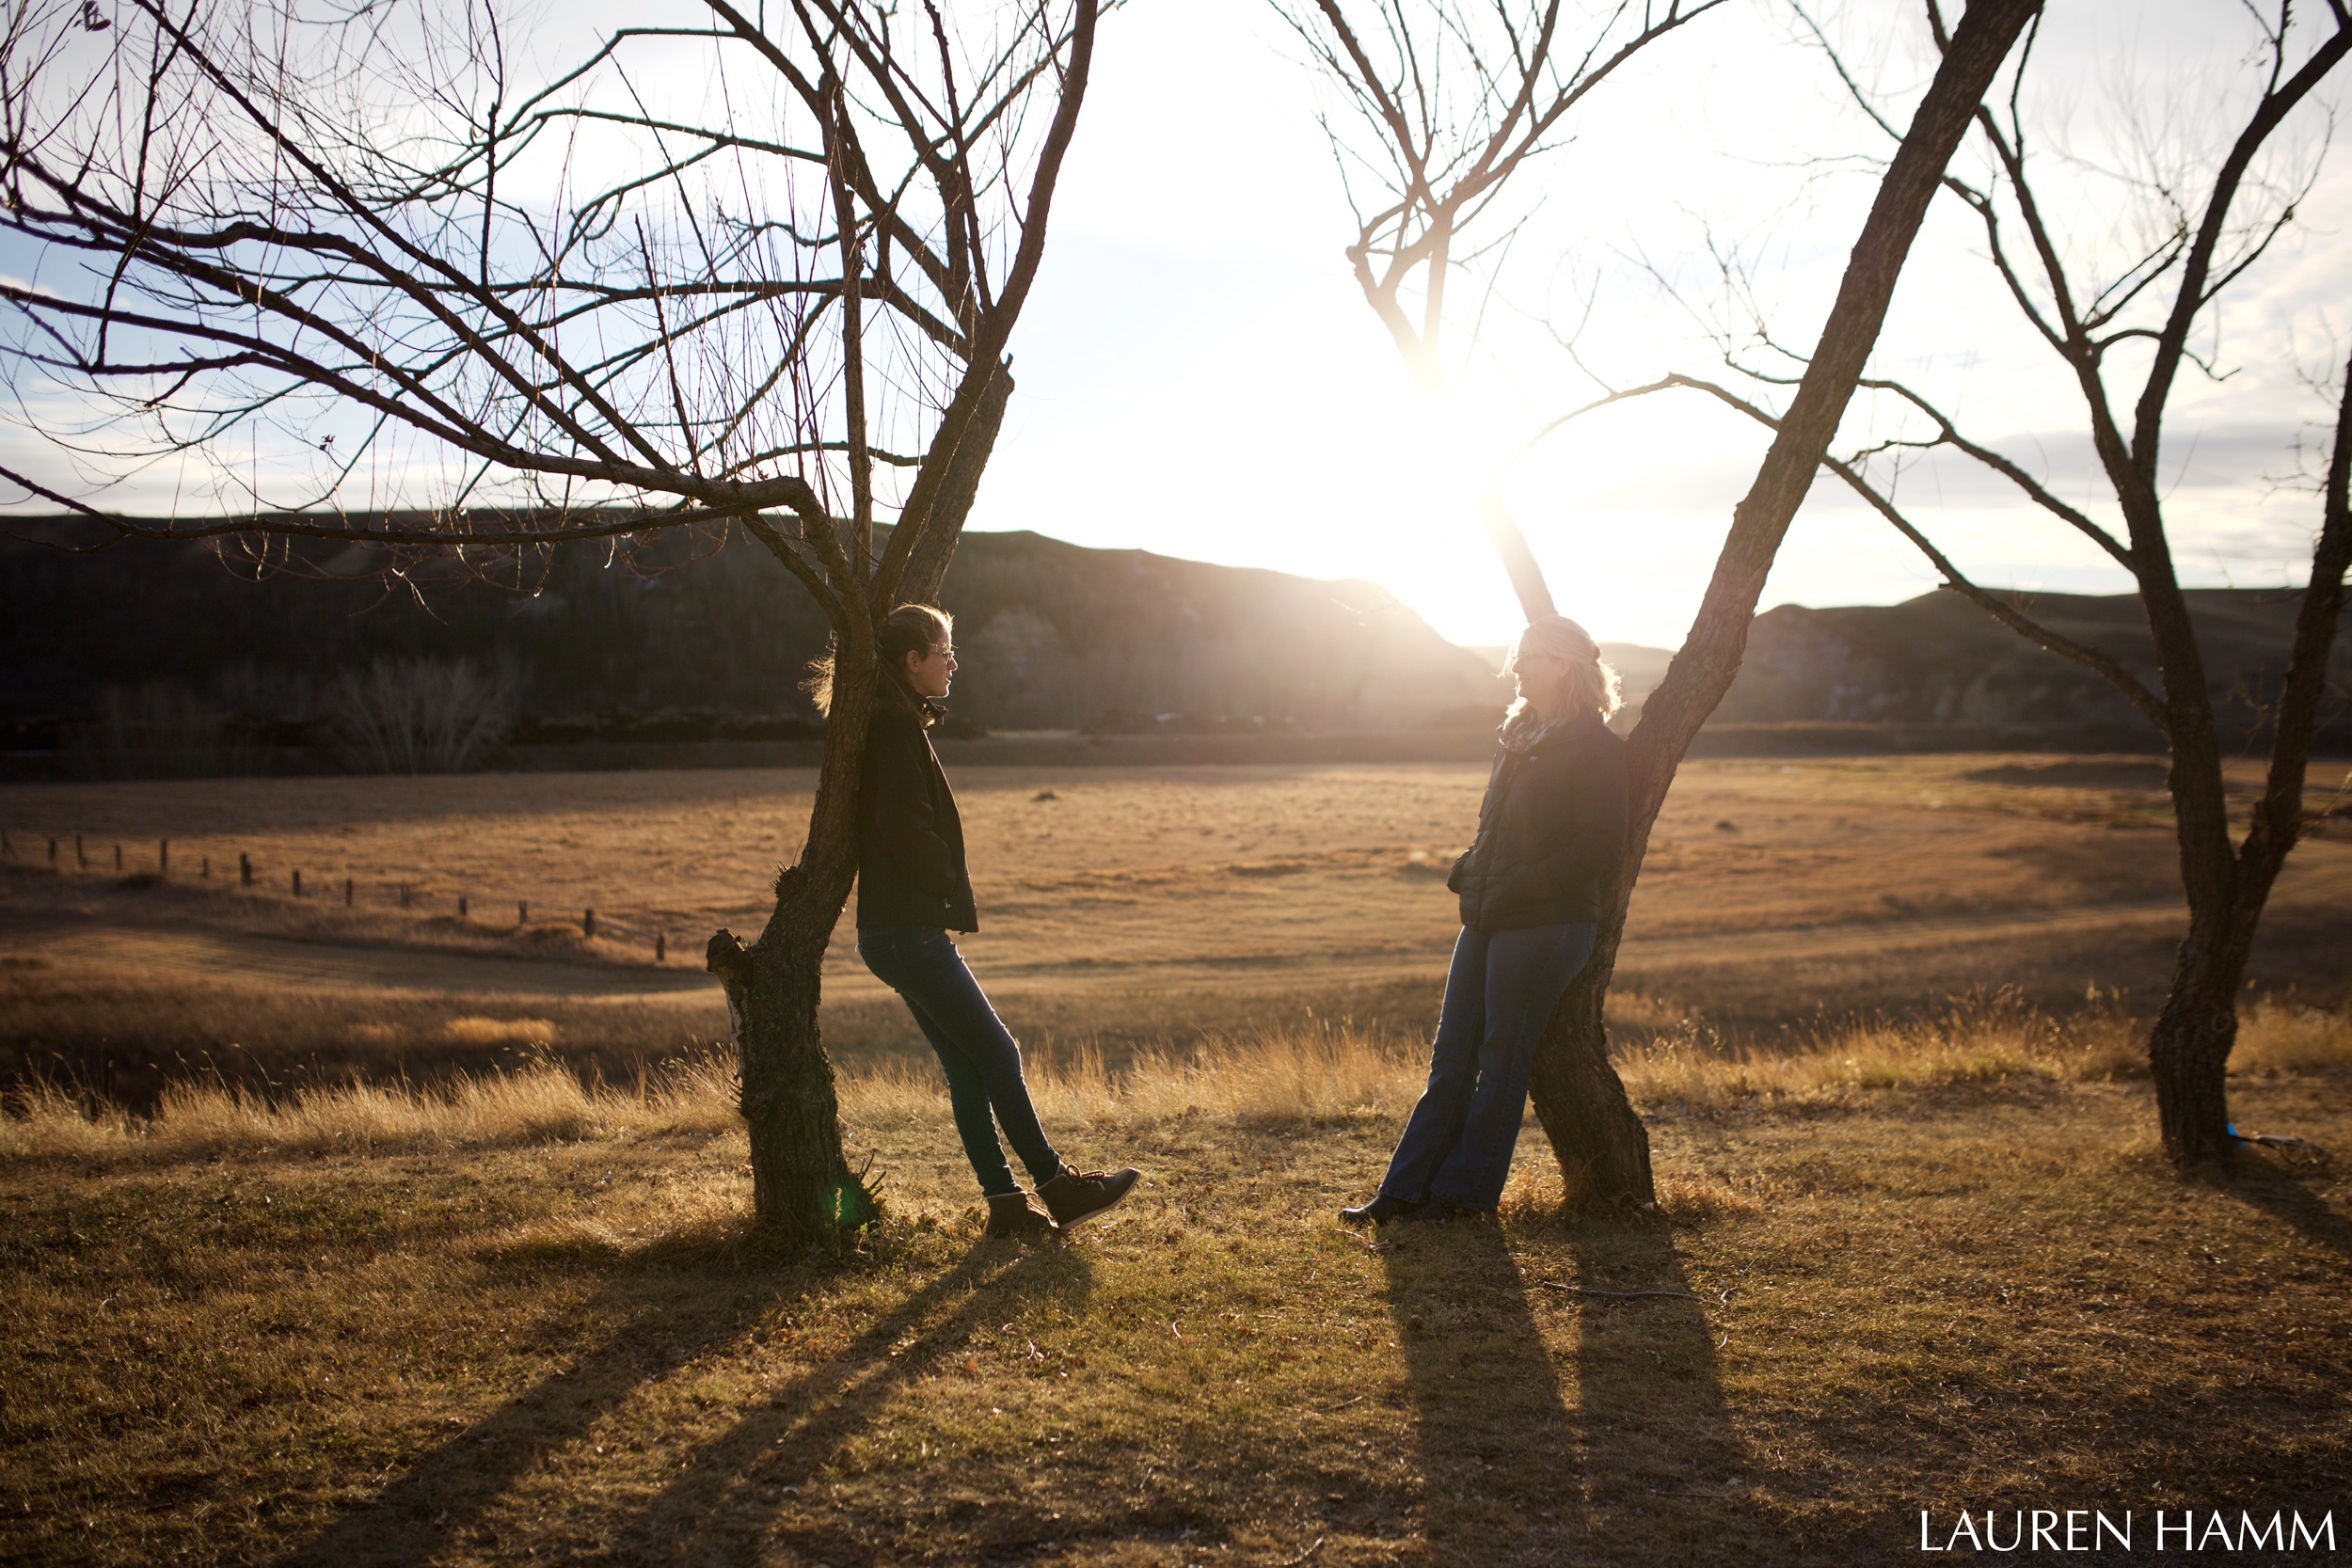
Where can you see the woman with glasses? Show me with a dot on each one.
(913, 889)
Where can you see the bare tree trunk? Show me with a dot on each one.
(2188, 1050)
(1599, 1141)
(802, 1188)
(1601, 1146)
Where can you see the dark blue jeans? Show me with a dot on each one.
(982, 1063)
(1499, 995)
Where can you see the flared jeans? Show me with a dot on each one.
(1499, 996)
(985, 1085)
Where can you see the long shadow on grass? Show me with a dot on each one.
(1664, 1478)
(2284, 1195)
(664, 1306)
(729, 1503)
(1635, 1462)
(1496, 1448)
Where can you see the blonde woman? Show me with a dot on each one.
(1551, 837)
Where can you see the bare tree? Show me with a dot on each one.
(1435, 190)
(1442, 103)
(746, 270)
(419, 715)
(2210, 227)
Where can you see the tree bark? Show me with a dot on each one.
(802, 1188)
(2188, 1050)
(1601, 1146)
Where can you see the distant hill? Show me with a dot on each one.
(1051, 636)
(1939, 664)
(154, 657)
(1938, 659)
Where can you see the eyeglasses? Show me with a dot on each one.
(941, 653)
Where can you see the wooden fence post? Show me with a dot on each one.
(163, 857)
(245, 869)
(349, 887)
(588, 924)
(297, 881)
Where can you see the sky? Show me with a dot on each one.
(1198, 376)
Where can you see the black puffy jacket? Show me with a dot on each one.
(1550, 832)
(910, 841)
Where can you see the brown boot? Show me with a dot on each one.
(1075, 1194)
(1013, 1214)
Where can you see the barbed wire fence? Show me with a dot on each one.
(85, 854)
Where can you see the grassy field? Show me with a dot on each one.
(397, 1239)
(1120, 909)
(1938, 1268)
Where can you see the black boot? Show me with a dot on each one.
(1013, 1214)
(1075, 1194)
(1381, 1211)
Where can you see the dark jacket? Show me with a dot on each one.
(1550, 832)
(910, 841)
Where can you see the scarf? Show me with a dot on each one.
(1521, 731)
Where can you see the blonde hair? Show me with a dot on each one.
(1588, 682)
(911, 628)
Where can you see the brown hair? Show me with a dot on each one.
(911, 628)
(1590, 683)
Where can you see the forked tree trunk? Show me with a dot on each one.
(1601, 1146)
(2188, 1047)
(803, 1188)
(2188, 1050)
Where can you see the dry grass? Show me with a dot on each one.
(520, 1321)
(119, 1033)
(2281, 1037)
(1981, 1037)
(1321, 872)
(1317, 1075)
(386, 1275)
(1139, 912)
(207, 1119)
(472, 1029)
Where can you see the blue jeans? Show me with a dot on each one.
(982, 1063)
(1499, 996)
